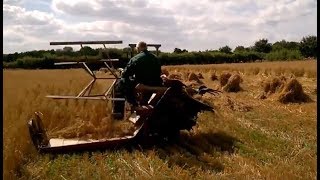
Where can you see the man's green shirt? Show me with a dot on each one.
(146, 68)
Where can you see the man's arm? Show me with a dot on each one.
(129, 69)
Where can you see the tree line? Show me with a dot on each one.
(261, 50)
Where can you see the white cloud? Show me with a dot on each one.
(13, 2)
(195, 25)
(15, 15)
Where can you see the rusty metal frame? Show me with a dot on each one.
(85, 92)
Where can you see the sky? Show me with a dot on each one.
(195, 25)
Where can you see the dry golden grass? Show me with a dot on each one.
(224, 77)
(293, 92)
(213, 76)
(233, 84)
(24, 93)
(306, 68)
(247, 138)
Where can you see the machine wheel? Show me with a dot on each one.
(37, 132)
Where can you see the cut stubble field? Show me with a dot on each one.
(247, 137)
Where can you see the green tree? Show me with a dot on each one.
(308, 46)
(126, 50)
(67, 49)
(262, 45)
(283, 44)
(86, 50)
(10, 57)
(239, 49)
(184, 50)
(177, 50)
(225, 49)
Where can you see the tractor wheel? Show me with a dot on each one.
(37, 132)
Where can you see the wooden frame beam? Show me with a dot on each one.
(87, 90)
(84, 42)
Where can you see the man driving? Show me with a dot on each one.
(144, 68)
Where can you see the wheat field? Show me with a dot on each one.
(247, 138)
